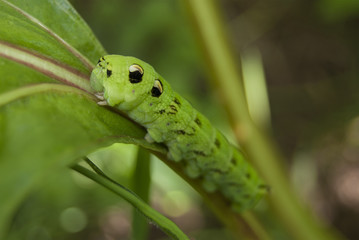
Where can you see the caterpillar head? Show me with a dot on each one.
(126, 81)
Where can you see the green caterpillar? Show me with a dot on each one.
(135, 88)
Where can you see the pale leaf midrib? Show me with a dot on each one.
(26, 91)
(47, 66)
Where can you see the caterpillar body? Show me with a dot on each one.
(135, 88)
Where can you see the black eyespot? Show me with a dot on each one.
(109, 73)
(135, 73)
(157, 88)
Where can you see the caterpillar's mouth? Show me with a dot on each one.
(96, 78)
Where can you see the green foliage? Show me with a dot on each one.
(338, 10)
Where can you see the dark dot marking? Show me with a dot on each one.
(235, 184)
(217, 143)
(162, 111)
(173, 107)
(182, 132)
(263, 186)
(171, 113)
(248, 176)
(218, 171)
(200, 153)
(167, 124)
(190, 134)
(109, 73)
(175, 100)
(198, 121)
(151, 104)
(233, 161)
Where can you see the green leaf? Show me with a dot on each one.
(43, 131)
(48, 116)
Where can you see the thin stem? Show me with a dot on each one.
(141, 185)
(162, 222)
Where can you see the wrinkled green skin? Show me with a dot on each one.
(189, 136)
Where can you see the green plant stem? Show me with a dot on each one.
(141, 186)
(162, 222)
(263, 152)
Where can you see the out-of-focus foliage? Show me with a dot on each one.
(338, 10)
(310, 56)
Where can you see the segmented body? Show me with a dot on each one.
(134, 87)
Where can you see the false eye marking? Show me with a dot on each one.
(109, 72)
(157, 88)
(135, 73)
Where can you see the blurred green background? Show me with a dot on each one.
(306, 50)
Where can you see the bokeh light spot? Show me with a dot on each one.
(346, 187)
(73, 220)
(176, 203)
